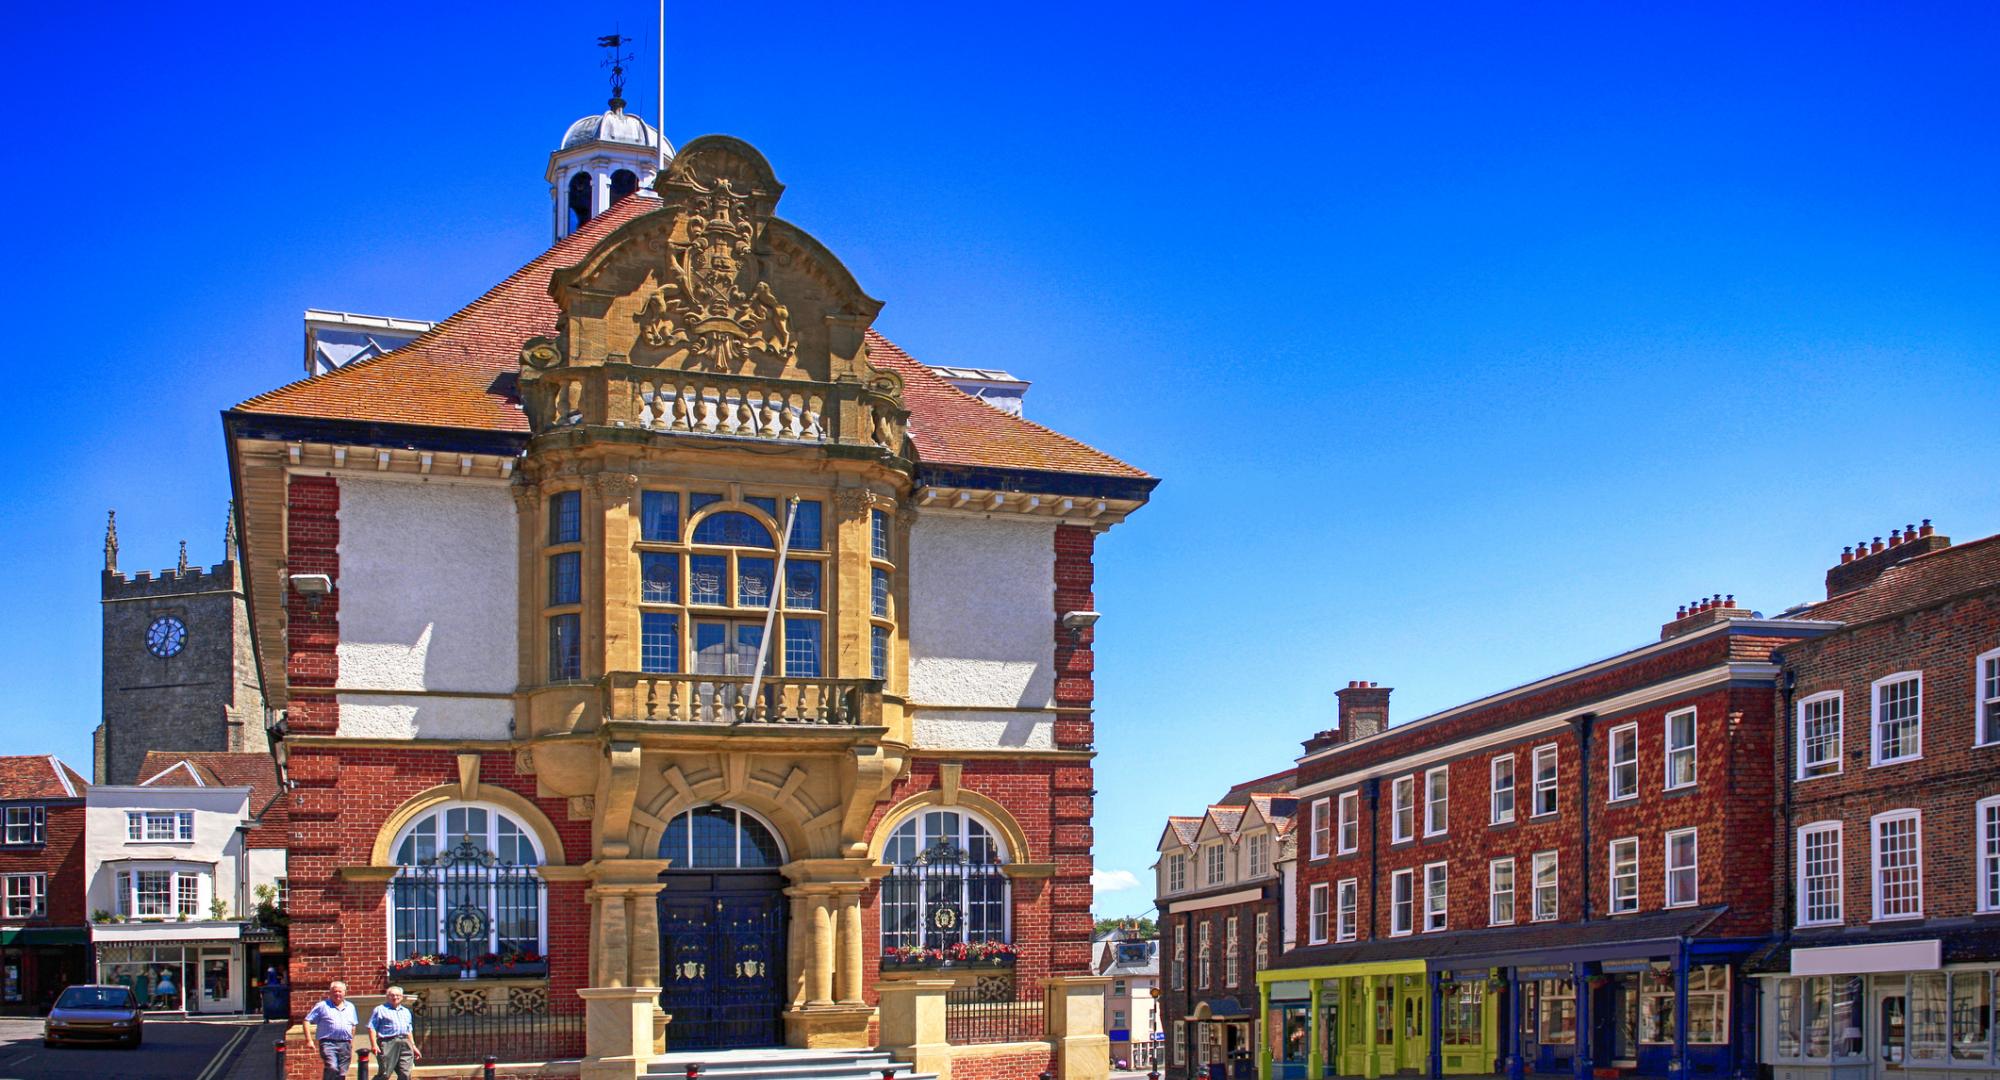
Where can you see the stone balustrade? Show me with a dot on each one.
(725, 699)
(717, 405)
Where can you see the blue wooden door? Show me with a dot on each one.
(722, 959)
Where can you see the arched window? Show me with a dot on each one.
(623, 182)
(579, 199)
(945, 888)
(466, 886)
(719, 838)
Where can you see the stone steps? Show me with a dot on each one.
(783, 1063)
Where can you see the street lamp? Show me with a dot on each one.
(1154, 1073)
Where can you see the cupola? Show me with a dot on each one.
(602, 158)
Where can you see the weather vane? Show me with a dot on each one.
(615, 60)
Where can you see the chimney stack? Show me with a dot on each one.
(1869, 560)
(1708, 612)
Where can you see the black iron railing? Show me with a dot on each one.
(464, 904)
(449, 1037)
(973, 1015)
(945, 905)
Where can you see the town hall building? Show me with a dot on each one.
(656, 633)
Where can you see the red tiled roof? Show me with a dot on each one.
(459, 375)
(39, 776)
(1919, 583)
(1185, 828)
(164, 768)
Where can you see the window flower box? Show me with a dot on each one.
(983, 954)
(511, 964)
(427, 967)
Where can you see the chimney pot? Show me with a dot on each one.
(1682, 613)
(1877, 546)
(1895, 537)
(1927, 528)
(1846, 554)
(1729, 601)
(1909, 533)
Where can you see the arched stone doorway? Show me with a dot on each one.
(722, 930)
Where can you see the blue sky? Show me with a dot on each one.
(1468, 342)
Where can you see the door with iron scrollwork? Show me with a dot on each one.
(722, 959)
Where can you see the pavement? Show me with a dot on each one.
(201, 1049)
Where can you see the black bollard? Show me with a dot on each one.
(361, 1063)
(1047, 1075)
(491, 1064)
(888, 1072)
(281, 1059)
(693, 1070)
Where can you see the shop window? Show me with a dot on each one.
(1680, 754)
(1545, 781)
(26, 825)
(1625, 875)
(1350, 822)
(1403, 809)
(1821, 1018)
(1708, 1006)
(944, 859)
(1819, 735)
(1899, 718)
(1623, 750)
(1557, 1012)
(1349, 913)
(1501, 789)
(1928, 1030)
(1820, 888)
(466, 886)
(1971, 1016)
(1500, 892)
(1463, 1022)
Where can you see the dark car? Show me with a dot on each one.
(94, 1014)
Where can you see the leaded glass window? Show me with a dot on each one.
(660, 516)
(946, 885)
(719, 838)
(466, 887)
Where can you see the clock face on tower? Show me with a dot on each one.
(166, 636)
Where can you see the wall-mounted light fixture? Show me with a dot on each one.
(313, 587)
(1076, 622)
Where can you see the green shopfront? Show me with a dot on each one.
(1374, 1019)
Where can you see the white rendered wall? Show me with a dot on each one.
(213, 851)
(982, 631)
(428, 607)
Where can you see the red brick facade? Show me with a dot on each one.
(1938, 634)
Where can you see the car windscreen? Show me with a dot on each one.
(95, 997)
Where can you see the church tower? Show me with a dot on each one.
(179, 672)
(603, 157)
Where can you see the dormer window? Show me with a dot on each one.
(1215, 856)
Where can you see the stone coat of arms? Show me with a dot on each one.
(707, 304)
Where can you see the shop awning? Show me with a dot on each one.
(45, 935)
(1222, 1008)
(1847, 952)
(119, 933)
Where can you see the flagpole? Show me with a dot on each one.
(660, 116)
(771, 608)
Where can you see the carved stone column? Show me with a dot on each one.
(795, 947)
(848, 904)
(819, 969)
(608, 965)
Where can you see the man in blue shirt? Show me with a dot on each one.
(330, 1029)
(389, 1025)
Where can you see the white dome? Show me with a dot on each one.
(611, 126)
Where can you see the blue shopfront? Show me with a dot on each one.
(1675, 1007)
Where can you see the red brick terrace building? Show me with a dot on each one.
(44, 928)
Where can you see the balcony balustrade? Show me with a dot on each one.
(726, 700)
(717, 405)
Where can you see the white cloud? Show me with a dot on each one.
(1104, 881)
